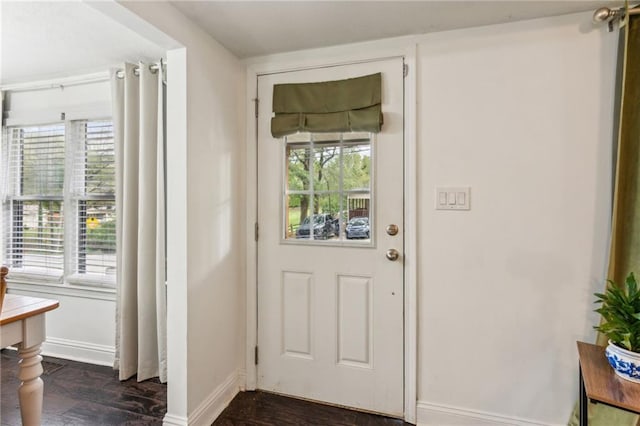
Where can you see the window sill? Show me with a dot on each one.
(21, 285)
(98, 282)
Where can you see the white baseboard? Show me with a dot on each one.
(217, 401)
(79, 351)
(171, 420)
(430, 414)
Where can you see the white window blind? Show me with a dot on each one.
(34, 200)
(93, 198)
(58, 188)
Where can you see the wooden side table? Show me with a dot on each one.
(599, 383)
(22, 325)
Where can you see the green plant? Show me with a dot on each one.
(102, 238)
(621, 312)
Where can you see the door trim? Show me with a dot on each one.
(406, 49)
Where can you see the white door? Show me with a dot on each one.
(330, 302)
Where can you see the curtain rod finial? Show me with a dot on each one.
(601, 15)
(604, 14)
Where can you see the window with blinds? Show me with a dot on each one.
(35, 200)
(94, 201)
(58, 201)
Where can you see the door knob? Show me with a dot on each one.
(392, 255)
(392, 229)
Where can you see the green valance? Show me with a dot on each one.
(329, 106)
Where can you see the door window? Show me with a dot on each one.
(328, 188)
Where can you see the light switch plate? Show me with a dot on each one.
(453, 198)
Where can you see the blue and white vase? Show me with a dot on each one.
(625, 363)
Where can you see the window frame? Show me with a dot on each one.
(75, 199)
(76, 284)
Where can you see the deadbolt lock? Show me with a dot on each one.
(392, 229)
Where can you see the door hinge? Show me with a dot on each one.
(256, 231)
(405, 70)
(256, 355)
(256, 102)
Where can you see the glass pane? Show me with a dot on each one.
(40, 158)
(298, 208)
(327, 219)
(298, 157)
(99, 164)
(326, 167)
(36, 243)
(97, 237)
(358, 226)
(328, 183)
(356, 157)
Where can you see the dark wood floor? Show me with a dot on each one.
(83, 394)
(265, 409)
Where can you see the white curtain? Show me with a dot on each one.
(141, 309)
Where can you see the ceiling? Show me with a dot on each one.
(256, 28)
(45, 40)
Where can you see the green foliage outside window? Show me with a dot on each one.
(356, 172)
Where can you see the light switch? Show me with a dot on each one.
(453, 198)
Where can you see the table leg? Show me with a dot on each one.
(584, 402)
(31, 388)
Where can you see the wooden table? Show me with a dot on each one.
(600, 384)
(22, 325)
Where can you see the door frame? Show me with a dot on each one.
(406, 48)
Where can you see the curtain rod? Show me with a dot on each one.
(57, 83)
(136, 71)
(61, 83)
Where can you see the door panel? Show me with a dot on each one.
(355, 321)
(330, 304)
(296, 314)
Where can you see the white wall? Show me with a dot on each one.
(207, 291)
(522, 113)
(82, 328)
